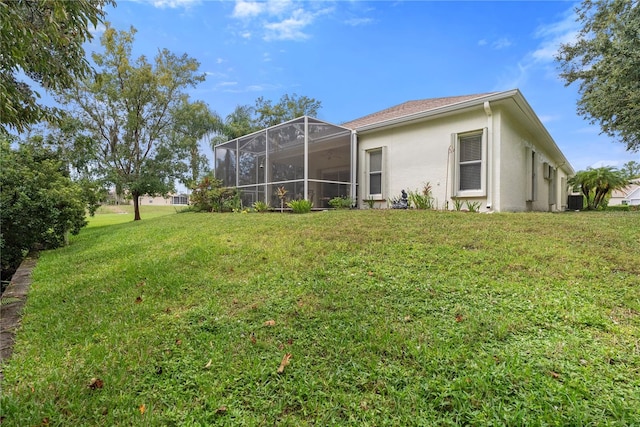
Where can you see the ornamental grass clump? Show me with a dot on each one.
(300, 206)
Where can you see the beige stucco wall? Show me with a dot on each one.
(514, 141)
(416, 154)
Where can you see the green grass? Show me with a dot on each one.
(391, 317)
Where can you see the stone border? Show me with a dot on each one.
(11, 303)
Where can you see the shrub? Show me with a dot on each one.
(422, 199)
(261, 206)
(209, 196)
(300, 206)
(39, 203)
(473, 206)
(341, 202)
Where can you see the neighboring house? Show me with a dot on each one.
(630, 195)
(171, 199)
(488, 148)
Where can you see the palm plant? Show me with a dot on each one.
(596, 184)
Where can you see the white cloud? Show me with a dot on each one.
(541, 57)
(290, 28)
(354, 22)
(482, 42)
(248, 9)
(553, 35)
(171, 4)
(226, 84)
(501, 43)
(276, 19)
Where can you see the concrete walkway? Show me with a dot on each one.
(11, 304)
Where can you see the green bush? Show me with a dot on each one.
(261, 206)
(341, 202)
(210, 196)
(422, 199)
(300, 206)
(39, 203)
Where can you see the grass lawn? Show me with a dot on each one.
(389, 317)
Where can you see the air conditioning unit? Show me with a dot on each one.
(546, 170)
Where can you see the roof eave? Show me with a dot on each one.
(436, 111)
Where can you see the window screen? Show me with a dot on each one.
(375, 172)
(471, 162)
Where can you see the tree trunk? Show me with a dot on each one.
(136, 205)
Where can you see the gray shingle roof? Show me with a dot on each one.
(410, 107)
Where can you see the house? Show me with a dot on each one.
(630, 195)
(488, 149)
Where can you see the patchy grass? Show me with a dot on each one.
(390, 317)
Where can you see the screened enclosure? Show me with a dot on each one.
(311, 159)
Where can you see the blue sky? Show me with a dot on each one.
(359, 57)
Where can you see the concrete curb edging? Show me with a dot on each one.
(11, 303)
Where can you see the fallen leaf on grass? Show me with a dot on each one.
(138, 300)
(221, 410)
(459, 318)
(554, 374)
(178, 342)
(270, 323)
(285, 361)
(142, 409)
(142, 283)
(253, 338)
(208, 365)
(407, 318)
(45, 422)
(96, 383)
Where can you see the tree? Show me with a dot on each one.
(288, 108)
(126, 108)
(605, 60)
(192, 121)
(246, 119)
(631, 170)
(597, 184)
(44, 40)
(39, 204)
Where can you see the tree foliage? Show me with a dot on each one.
(246, 119)
(631, 169)
(42, 39)
(126, 110)
(596, 184)
(191, 122)
(39, 203)
(288, 108)
(605, 60)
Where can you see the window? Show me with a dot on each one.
(375, 172)
(470, 164)
(530, 158)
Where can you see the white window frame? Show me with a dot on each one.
(381, 172)
(482, 191)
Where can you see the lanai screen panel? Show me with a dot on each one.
(226, 163)
(259, 163)
(329, 162)
(286, 152)
(251, 158)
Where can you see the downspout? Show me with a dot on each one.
(267, 168)
(488, 112)
(354, 168)
(306, 157)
